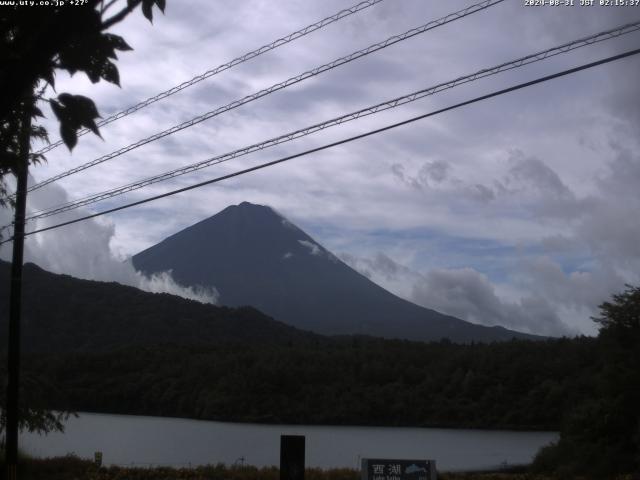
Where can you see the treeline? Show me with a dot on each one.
(361, 381)
(62, 314)
(600, 433)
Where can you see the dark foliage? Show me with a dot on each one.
(364, 381)
(33, 415)
(37, 42)
(601, 434)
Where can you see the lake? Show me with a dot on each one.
(153, 441)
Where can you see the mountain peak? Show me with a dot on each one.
(249, 204)
(248, 209)
(254, 206)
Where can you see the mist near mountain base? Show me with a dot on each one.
(464, 293)
(83, 250)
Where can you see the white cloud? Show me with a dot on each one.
(313, 248)
(468, 294)
(590, 246)
(164, 283)
(384, 271)
(464, 293)
(83, 251)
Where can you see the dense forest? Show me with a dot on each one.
(600, 434)
(514, 385)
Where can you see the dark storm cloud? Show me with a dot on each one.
(552, 197)
(535, 173)
(430, 173)
(481, 193)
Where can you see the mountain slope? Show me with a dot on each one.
(253, 256)
(62, 313)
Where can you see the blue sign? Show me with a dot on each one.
(387, 469)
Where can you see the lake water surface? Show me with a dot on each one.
(151, 441)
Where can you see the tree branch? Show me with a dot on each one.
(118, 17)
(106, 7)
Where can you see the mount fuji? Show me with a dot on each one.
(254, 256)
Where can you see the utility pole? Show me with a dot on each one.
(15, 299)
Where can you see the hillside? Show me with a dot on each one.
(62, 313)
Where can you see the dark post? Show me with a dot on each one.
(15, 299)
(292, 457)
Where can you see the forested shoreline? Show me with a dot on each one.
(348, 381)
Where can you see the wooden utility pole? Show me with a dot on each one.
(15, 299)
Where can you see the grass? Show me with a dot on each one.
(74, 468)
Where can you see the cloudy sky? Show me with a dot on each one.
(520, 210)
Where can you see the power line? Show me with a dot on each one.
(339, 142)
(225, 66)
(279, 86)
(389, 104)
